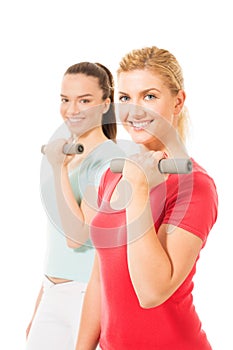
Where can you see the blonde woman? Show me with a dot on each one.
(141, 282)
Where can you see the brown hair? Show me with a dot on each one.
(166, 65)
(106, 83)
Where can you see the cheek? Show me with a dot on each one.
(62, 110)
(122, 115)
(165, 107)
(166, 116)
(126, 127)
(122, 110)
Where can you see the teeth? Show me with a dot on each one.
(141, 124)
(73, 120)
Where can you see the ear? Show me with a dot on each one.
(106, 105)
(179, 102)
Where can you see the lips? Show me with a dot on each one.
(74, 120)
(140, 125)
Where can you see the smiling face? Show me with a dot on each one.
(82, 103)
(151, 106)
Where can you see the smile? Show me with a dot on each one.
(75, 120)
(140, 125)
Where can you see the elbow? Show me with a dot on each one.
(151, 301)
(149, 304)
(72, 244)
(76, 240)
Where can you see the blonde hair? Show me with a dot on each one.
(166, 65)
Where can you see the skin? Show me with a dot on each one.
(79, 93)
(155, 282)
(81, 108)
(76, 101)
(141, 88)
(168, 268)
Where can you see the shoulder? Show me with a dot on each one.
(99, 160)
(110, 147)
(105, 152)
(192, 201)
(198, 186)
(198, 182)
(203, 183)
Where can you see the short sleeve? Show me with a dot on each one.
(194, 204)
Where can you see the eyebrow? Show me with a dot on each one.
(80, 96)
(142, 92)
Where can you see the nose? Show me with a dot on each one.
(130, 112)
(136, 112)
(72, 108)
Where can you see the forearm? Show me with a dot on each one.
(38, 300)
(89, 329)
(71, 215)
(149, 265)
(159, 261)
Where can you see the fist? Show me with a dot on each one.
(141, 170)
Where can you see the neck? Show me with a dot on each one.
(92, 139)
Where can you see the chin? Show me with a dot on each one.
(74, 131)
(140, 139)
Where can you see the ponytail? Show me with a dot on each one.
(109, 118)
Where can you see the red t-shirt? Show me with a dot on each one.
(188, 201)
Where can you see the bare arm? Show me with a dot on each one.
(158, 264)
(89, 330)
(158, 261)
(35, 310)
(74, 218)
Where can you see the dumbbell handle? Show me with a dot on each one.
(69, 148)
(166, 166)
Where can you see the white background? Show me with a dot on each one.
(39, 40)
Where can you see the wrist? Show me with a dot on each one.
(140, 198)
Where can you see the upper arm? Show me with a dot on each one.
(194, 205)
(93, 194)
(95, 276)
(89, 328)
(89, 205)
(184, 230)
(182, 248)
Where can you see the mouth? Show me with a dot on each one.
(140, 125)
(74, 120)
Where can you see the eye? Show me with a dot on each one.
(64, 100)
(84, 101)
(150, 97)
(124, 99)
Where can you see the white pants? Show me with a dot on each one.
(56, 322)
